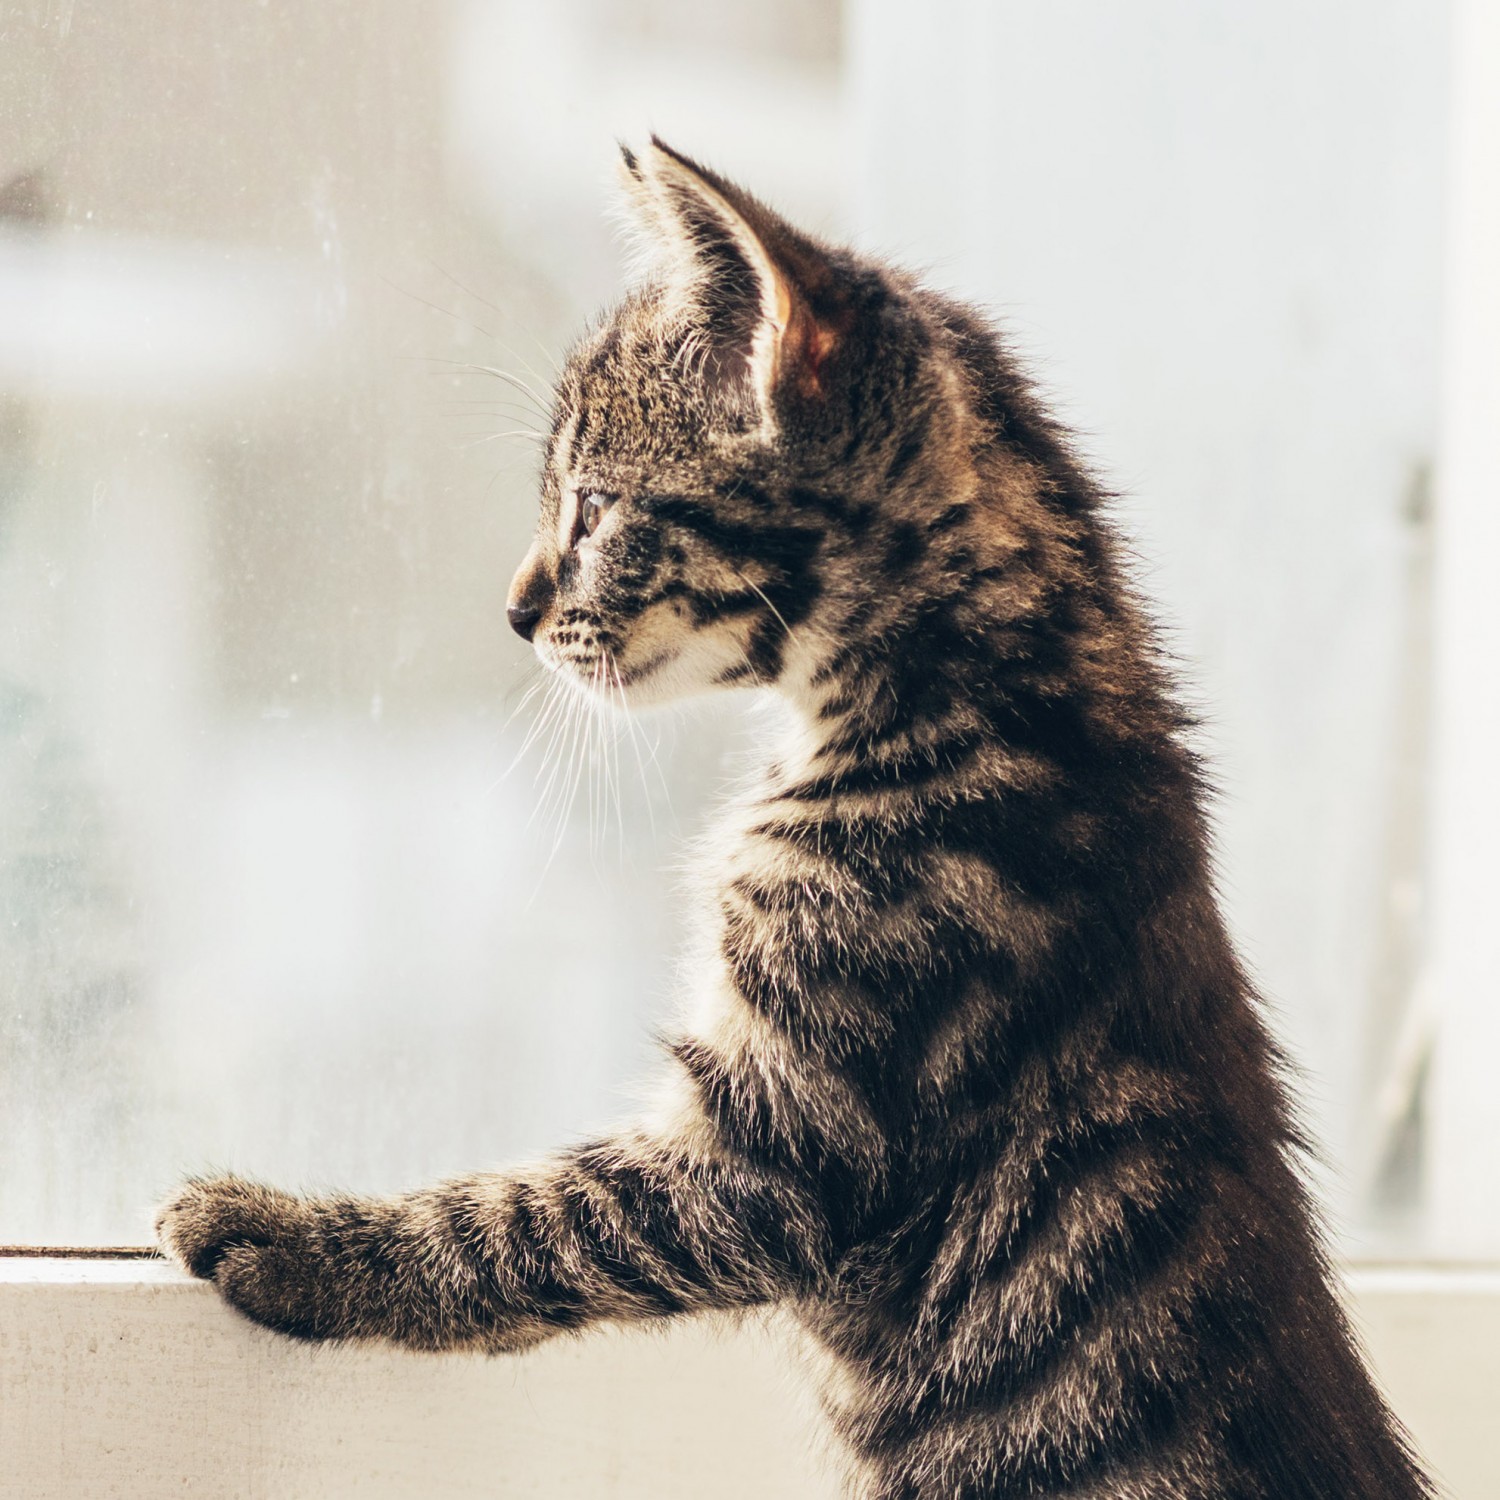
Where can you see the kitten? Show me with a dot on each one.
(978, 1090)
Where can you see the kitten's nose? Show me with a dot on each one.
(531, 591)
(523, 618)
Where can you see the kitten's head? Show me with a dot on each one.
(730, 451)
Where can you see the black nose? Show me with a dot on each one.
(523, 618)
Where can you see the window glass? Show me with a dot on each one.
(299, 873)
(282, 886)
(1226, 256)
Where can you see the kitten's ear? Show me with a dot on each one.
(763, 294)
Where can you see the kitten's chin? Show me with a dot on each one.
(664, 675)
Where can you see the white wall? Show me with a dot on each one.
(1463, 981)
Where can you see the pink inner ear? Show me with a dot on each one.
(805, 348)
(821, 342)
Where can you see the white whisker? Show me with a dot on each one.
(508, 348)
(612, 754)
(495, 437)
(576, 760)
(635, 745)
(540, 403)
(552, 759)
(549, 710)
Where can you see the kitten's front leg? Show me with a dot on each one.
(627, 1229)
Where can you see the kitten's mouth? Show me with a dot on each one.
(630, 676)
(603, 674)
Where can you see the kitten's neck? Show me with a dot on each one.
(1009, 627)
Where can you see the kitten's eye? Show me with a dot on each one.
(591, 509)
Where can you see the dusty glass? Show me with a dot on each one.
(282, 885)
(298, 875)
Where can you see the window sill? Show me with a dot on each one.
(123, 1377)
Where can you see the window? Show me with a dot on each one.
(269, 895)
(272, 893)
(298, 875)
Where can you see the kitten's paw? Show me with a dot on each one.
(255, 1244)
(210, 1216)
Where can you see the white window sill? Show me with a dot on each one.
(123, 1378)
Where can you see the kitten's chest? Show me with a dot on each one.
(838, 922)
(787, 923)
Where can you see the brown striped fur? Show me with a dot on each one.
(977, 1087)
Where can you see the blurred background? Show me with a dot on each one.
(274, 890)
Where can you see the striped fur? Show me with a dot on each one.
(976, 1086)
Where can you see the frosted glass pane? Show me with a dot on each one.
(273, 894)
(1223, 254)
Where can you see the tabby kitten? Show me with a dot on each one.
(978, 1089)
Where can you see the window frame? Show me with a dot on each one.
(124, 1377)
